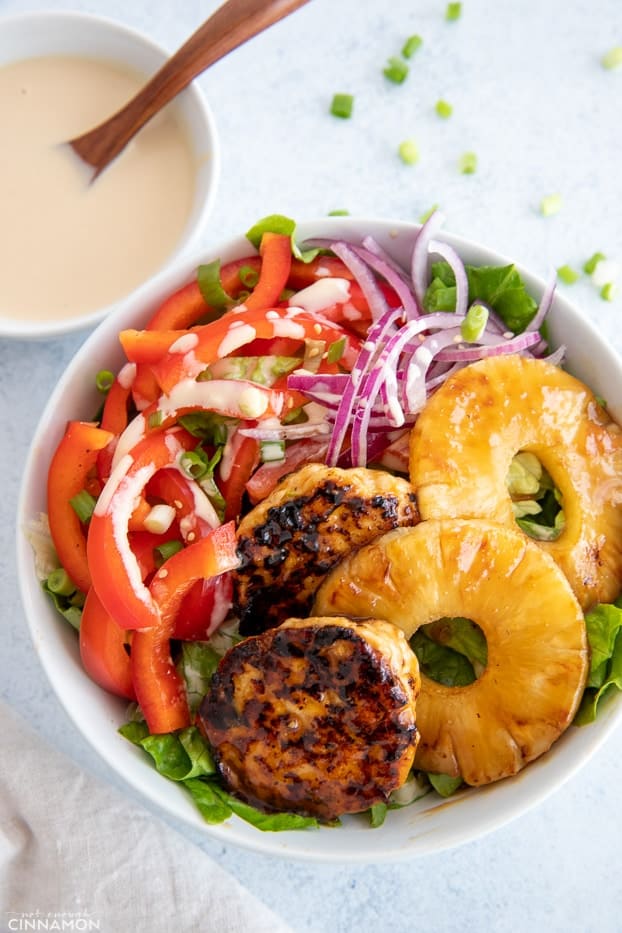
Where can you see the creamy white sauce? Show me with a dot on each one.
(322, 294)
(69, 247)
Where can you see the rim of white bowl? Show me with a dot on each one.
(210, 167)
(477, 812)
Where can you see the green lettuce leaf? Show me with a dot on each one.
(444, 784)
(178, 756)
(267, 822)
(211, 807)
(462, 636)
(441, 663)
(501, 287)
(604, 632)
(197, 664)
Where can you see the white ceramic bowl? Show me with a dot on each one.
(31, 35)
(426, 827)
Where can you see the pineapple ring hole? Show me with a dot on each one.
(451, 651)
(536, 500)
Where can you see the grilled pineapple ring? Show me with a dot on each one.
(463, 443)
(537, 649)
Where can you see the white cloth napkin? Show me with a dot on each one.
(75, 854)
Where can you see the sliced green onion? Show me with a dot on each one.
(408, 152)
(193, 464)
(443, 109)
(209, 486)
(342, 106)
(567, 274)
(396, 70)
(608, 291)
(295, 416)
(453, 12)
(104, 380)
(155, 419)
(612, 58)
(335, 350)
(60, 583)
(339, 212)
(270, 451)
(474, 323)
(551, 204)
(590, 264)
(163, 551)
(412, 45)
(427, 214)
(377, 814)
(468, 163)
(273, 223)
(207, 425)
(210, 285)
(248, 276)
(83, 505)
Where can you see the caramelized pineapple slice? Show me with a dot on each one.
(537, 662)
(464, 441)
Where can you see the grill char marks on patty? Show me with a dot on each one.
(315, 516)
(315, 717)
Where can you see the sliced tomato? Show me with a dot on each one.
(264, 479)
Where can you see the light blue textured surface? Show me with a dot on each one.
(532, 100)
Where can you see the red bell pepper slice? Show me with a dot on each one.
(206, 604)
(204, 608)
(243, 463)
(239, 328)
(114, 569)
(159, 688)
(115, 414)
(187, 306)
(74, 458)
(276, 261)
(181, 309)
(235, 398)
(103, 649)
(148, 346)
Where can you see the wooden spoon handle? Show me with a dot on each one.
(230, 26)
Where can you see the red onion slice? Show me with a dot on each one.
(420, 255)
(377, 333)
(545, 304)
(469, 354)
(364, 276)
(448, 253)
(395, 280)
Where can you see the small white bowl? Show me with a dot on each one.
(33, 35)
(426, 827)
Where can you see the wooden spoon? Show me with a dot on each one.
(231, 25)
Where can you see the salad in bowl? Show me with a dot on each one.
(322, 537)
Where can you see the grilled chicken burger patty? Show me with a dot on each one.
(316, 716)
(315, 517)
